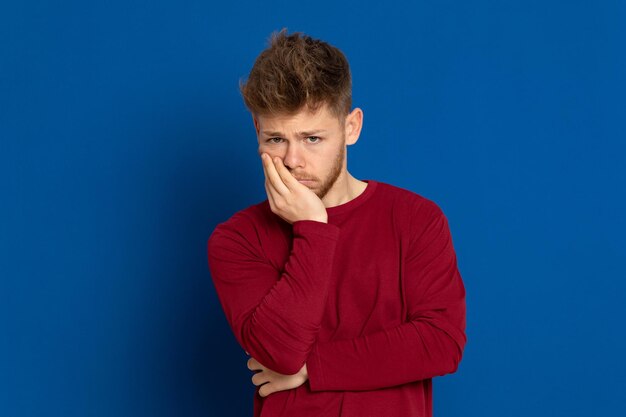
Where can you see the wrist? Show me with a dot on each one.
(321, 219)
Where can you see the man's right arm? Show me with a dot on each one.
(275, 315)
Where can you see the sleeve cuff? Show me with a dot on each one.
(304, 227)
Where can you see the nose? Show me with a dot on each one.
(293, 157)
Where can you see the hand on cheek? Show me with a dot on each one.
(288, 198)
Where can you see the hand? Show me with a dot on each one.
(272, 381)
(288, 198)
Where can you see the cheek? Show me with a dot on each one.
(270, 150)
(324, 162)
(330, 157)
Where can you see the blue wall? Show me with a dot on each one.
(124, 141)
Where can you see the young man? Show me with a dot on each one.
(345, 293)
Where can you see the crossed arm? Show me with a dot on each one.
(276, 315)
(279, 330)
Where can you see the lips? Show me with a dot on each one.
(308, 183)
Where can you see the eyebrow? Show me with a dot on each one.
(310, 133)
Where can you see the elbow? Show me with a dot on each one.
(270, 352)
(447, 365)
(455, 341)
(449, 354)
(285, 365)
(285, 361)
(454, 365)
(290, 367)
(453, 359)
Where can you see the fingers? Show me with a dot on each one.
(270, 381)
(285, 175)
(267, 385)
(270, 195)
(254, 365)
(260, 378)
(269, 190)
(264, 391)
(271, 173)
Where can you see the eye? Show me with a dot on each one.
(271, 140)
(317, 139)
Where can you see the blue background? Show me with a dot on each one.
(124, 141)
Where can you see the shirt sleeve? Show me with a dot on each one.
(430, 343)
(275, 315)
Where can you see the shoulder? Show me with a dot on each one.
(408, 202)
(414, 215)
(422, 221)
(243, 218)
(244, 227)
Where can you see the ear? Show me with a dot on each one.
(353, 125)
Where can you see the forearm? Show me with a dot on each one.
(280, 332)
(276, 315)
(416, 350)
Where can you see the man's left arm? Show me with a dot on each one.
(430, 343)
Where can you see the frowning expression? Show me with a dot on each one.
(311, 145)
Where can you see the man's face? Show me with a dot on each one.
(311, 146)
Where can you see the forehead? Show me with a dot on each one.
(304, 118)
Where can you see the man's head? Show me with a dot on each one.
(299, 94)
(296, 71)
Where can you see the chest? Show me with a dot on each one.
(365, 294)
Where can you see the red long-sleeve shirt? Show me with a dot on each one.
(372, 302)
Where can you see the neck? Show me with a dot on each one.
(346, 188)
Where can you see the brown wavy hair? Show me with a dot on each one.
(296, 70)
